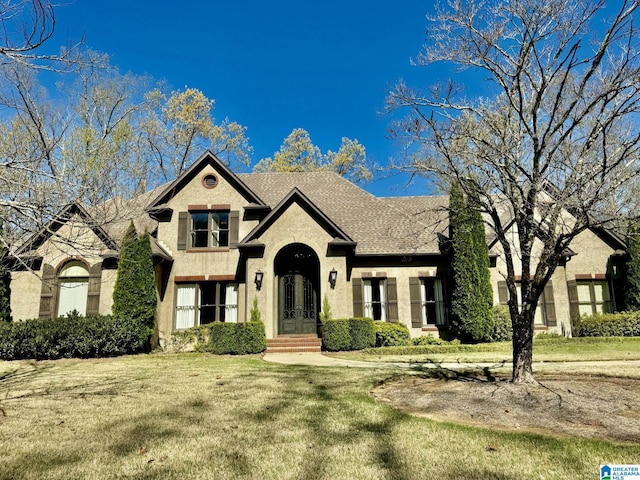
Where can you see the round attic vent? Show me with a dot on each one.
(210, 181)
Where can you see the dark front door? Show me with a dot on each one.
(297, 268)
(298, 310)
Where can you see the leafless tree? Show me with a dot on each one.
(552, 145)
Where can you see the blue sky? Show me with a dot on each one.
(271, 66)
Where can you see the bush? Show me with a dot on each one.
(230, 338)
(72, 336)
(625, 324)
(336, 335)
(251, 338)
(363, 333)
(392, 334)
(502, 331)
(428, 340)
(222, 338)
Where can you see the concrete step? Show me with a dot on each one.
(294, 343)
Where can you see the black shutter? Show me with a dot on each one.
(574, 308)
(234, 223)
(549, 305)
(392, 300)
(48, 293)
(503, 292)
(416, 302)
(358, 309)
(93, 296)
(183, 233)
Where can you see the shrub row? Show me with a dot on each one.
(348, 334)
(72, 336)
(624, 324)
(392, 334)
(233, 338)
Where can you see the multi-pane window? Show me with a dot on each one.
(209, 229)
(375, 298)
(432, 300)
(206, 302)
(593, 297)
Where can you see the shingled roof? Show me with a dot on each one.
(378, 225)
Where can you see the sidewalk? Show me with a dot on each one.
(319, 360)
(315, 359)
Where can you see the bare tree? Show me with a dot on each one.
(552, 147)
(26, 26)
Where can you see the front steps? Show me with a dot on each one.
(294, 344)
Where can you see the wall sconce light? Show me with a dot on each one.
(333, 277)
(258, 279)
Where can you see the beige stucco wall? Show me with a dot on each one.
(74, 241)
(402, 275)
(592, 256)
(295, 225)
(212, 262)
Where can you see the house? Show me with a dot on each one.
(221, 240)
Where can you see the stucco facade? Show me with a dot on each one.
(306, 236)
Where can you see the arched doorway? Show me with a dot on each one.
(298, 272)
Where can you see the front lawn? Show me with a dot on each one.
(201, 416)
(544, 350)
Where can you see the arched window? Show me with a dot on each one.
(74, 288)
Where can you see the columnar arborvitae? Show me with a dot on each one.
(5, 295)
(471, 297)
(482, 255)
(632, 268)
(134, 294)
(5, 284)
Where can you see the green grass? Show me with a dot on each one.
(200, 416)
(544, 350)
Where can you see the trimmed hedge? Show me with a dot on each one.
(363, 333)
(72, 336)
(336, 335)
(392, 334)
(348, 334)
(501, 330)
(233, 338)
(624, 324)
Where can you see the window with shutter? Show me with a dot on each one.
(208, 229)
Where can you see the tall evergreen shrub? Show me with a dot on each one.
(472, 298)
(5, 285)
(134, 294)
(632, 268)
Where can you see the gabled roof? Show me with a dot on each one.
(37, 239)
(207, 158)
(379, 226)
(296, 196)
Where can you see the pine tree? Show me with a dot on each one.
(472, 297)
(134, 294)
(632, 267)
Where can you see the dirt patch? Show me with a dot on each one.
(592, 407)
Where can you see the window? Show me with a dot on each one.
(74, 288)
(209, 229)
(375, 299)
(591, 296)
(206, 302)
(545, 315)
(432, 300)
(428, 308)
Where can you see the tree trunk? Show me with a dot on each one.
(523, 348)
